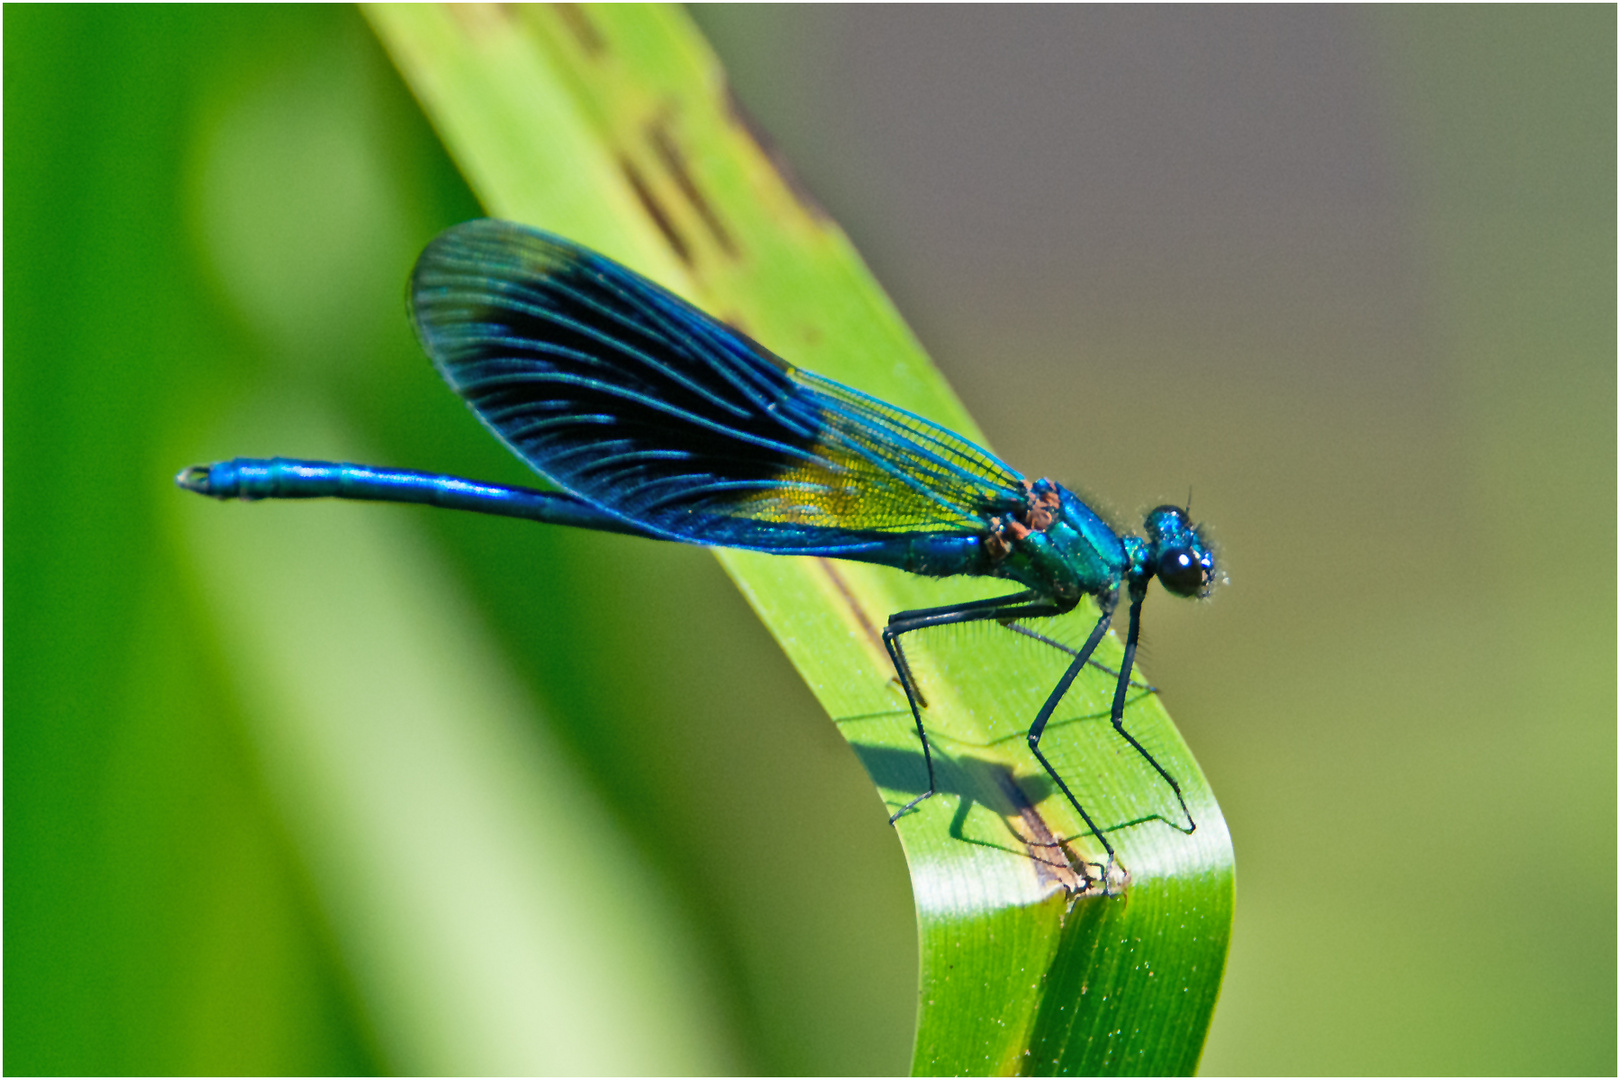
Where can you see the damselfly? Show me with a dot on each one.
(657, 420)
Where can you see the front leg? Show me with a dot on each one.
(1117, 713)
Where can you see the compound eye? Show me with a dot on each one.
(1182, 573)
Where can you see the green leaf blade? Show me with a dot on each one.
(612, 126)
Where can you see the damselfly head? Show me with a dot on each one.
(1182, 560)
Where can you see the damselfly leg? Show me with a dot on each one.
(1005, 610)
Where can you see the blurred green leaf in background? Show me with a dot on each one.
(1350, 274)
(290, 181)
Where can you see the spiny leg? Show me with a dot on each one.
(1018, 606)
(919, 618)
(1117, 714)
(1052, 699)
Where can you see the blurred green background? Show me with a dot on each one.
(1346, 274)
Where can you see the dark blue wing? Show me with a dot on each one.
(623, 394)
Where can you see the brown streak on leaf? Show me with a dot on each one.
(674, 160)
(1055, 864)
(874, 637)
(573, 16)
(872, 632)
(677, 243)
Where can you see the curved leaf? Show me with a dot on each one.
(613, 126)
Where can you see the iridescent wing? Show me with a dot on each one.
(623, 394)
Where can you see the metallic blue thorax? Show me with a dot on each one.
(1059, 546)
